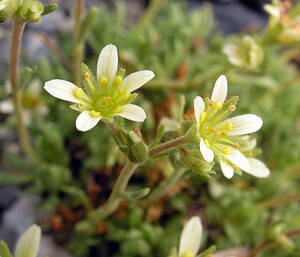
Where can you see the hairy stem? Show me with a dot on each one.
(114, 199)
(15, 48)
(164, 187)
(78, 46)
(167, 146)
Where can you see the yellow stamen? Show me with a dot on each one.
(226, 150)
(103, 81)
(206, 142)
(211, 104)
(223, 134)
(202, 116)
(218, 106)
(85, 76)
(228, 126)
(237, 145)
(118, 80)
(94, 113)
(78, 93)
(188, 254)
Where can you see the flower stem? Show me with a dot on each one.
(78, 46)
(15, 48)
(119, 187)
(167, 146)
(267, 242)
(164, 187)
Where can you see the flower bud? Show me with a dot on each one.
(29, 242)
(30, 11)
(7, 9)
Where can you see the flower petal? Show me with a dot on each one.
(227, 170)
(206, 152)
(244, 124)
(6, 106)
(220, 90)
(169, 124)
(136, 80)
(62, 89)
(132, 112)
(85, 121)
(107, 64)
(199, 107)
(258, 168)
(190, 238)
(238, 159)
(29, 242)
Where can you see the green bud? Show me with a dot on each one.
(192, 135)
(87, 23)
(284, 242)
(7, 9)
(49, 9)
(194, 161)
(30, 11)
(138, 152)
(4, 251)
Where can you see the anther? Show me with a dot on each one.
(218, 106)
(237, 145)
(118, 80)
(223, 134)
(188, 254)
(94, 113)
(202, 116)
(206, 142)
(226, 150)
(211, 104)
(232, 108)
(85, 76)
(228, 126)
(78, 93)
(103, 81)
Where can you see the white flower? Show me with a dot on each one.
(190, 238)
(257, 167)
(218, 135)
(108, 96)
(170, 124)
(29, 242)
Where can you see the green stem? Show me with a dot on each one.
(167, 146)
(78, 46)
(114, 199)
(164, 187)
(267, 242)
(15, 48)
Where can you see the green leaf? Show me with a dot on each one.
(78, 194)
(87, 24)
(136, 194)
(14, 179)
(4, 251)
(50, 8)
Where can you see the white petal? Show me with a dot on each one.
(169, 124)
(62, 89)
(132, 112)
(244, 124)
(29, 242)
(238, 159)
(220, 90)
(206, 152)
(227, 170)
(258, 168)
(6, 106)
(190, 238)
(199, 107)
(85, 121)
(136, 80)
(107, 64)
(251, 143)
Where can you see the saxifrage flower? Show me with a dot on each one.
(220, 137)
(105, 97)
